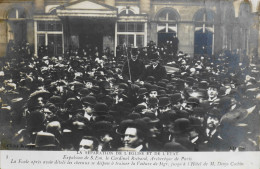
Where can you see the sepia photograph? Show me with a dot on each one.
(130, 76)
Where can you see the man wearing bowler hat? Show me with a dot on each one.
(180, 136)
(155, 69)
(105, 134)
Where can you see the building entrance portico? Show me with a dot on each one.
(81, 32)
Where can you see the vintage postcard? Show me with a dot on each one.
(138, 83)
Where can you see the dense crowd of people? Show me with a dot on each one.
(148, 99)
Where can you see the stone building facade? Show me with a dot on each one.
(202, 26)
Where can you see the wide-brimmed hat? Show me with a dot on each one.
(40, 93)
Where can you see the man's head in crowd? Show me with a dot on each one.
(133, 137)
(153, 94)
(212, 92)
(88, 143)
(134, 54)
(134, 134)
(164, 104)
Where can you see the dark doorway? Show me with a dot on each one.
(92, 40)
(163, 37)
(203, 42)
(18, 30)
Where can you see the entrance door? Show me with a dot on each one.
(164, 37)
(93, 40)
(17, 31)
(203, 42)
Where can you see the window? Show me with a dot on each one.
(130, 27)
(49, 26)
(41, 40)
(127, 12)
(167, 22)
(131, 33)
(50, 33)
(18, 13)
(167, 15)
(204, 16)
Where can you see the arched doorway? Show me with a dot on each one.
(204, 32)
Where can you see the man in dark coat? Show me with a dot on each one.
(155, 69)
(133, 68)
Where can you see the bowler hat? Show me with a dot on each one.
(103, 126)
(139, 108)
(89, 100)
(152, 117)
(181, 125)
(164, 101)
(142, 91)
(153, 101)
(100, 109)
(123, 125)
(176, 97)
(133, 116)
(193, 100)
(155, 57)
(162, 93)
(44, 139)
(215, 112)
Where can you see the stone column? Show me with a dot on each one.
(39, 6)
(30, 32)
(186, 37)
(253, 39)
(258, 37)
(3, 38)
(153, 33)
(218, 29)
(236, 37)
(145, 6)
